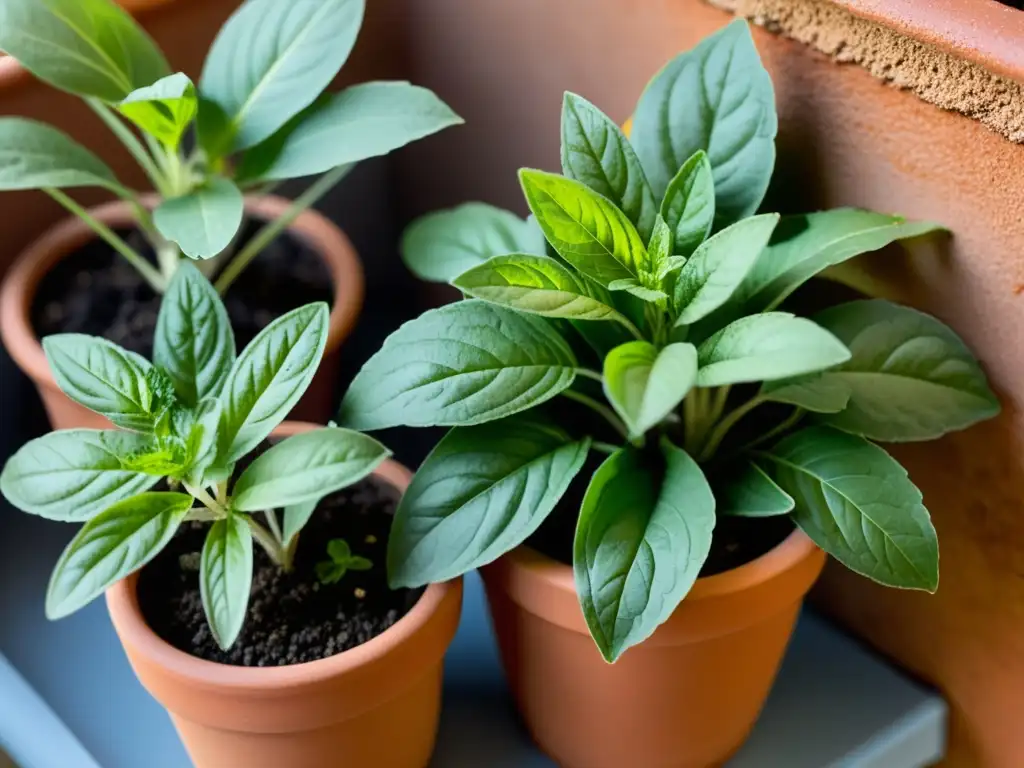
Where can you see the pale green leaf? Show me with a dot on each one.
(34, 156)
(480, 493)
(204, 221)
(225, 578)
(295, 517)
(748, 491)
(644, 384)
(689, 204)
(818, 392)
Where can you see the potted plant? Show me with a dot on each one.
(738, 437)
(258, 116)
(353, 659)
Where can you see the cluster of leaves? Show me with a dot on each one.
(340, 562)
(645, 259)
(186, 419)
(259, 115)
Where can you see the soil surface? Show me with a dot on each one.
(292, 617)
(97, 292)
(736, 540)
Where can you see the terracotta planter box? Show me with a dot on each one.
(846, 138)
(687, 696)
(19, 289)
(377, 704)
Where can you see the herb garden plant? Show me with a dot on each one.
(258, 116)
(186, 419)
(646, 288)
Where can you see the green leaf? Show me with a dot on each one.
(645, 385)
(85, 47)
(910, 376)
(104, 378)
(660, 245)
(193, 344)
(361, 122)
(215, 131)
(164, 109)
(857, 503)
(748, 491)
(295, 518)
(33, 156)
(72, 475)
(481, 492)
(307, 467)
(719, 265)
(818, 392)
(112, 545)
(269, 377)
(775, 345)
(640, 543)
(717, 97)
(633, 287)
(201, 441)
(689, 204)
(225, 578)
(597, 153)
(339, 551)
(462, 364)
(586, 230)
(271, 60)
(204, 221)
(538, 285)
(442, 245)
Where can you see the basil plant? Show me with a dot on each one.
(186, 420)
(644, 290)
(258, 116)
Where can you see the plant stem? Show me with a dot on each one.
(273, 228)
(273, 526)
(145, 269)
(266, 540)
(203, 514)
(130, 142)
(790, 421)
(212, 504)
(721, 429)
(605, 447)
(603, 410)
(718, 402)
(628, 324)
(590, 374)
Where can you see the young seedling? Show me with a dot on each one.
(186, 419)
(341, 562)
(645, 289)
(258, 116)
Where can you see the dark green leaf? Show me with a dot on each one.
(596, 153)
(748, 491)
(857, 503)
(480, 493)
(225, 578)
(112, 545)
(717, 97)
(462, 364)
(640, 543)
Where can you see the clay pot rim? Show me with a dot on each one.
(19, 286)
(123, 605)
(788, 553)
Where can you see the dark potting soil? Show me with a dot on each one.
(736, 540)
(95, 291)
(292, 617)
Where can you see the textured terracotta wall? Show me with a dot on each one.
(845, 139)
(184, 29)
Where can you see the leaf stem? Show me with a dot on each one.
(603, 410)
(783, 426)
(590, 374)
(148, 272)
(273, 526)
(130, 142)
(266, 540)
(208, 501)
(608, 448)
(273, 228)
(629, 326)
(721, 429)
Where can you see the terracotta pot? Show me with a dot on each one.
(685, 698)
(375, 705)
(19, 288)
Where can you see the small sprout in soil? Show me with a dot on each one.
(341, 562)
(189, 418)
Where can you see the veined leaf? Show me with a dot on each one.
(462, 364)
(73, 475)
(164, 109)
(586, 230)
(689, 204)
(271, 60)
(480, 493)
(112, 545)
(773, 345)
(818, 392)
(225, 578)
(857, 503)
(748, 491)
(85, 47)
(644, 384)
(596, 153)
(640, 543)
(33, 156)
(204, 221)
(442, 245)
(717, 97)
